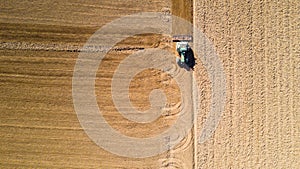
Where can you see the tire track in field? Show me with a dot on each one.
(258, 85)
(294, 82)
(272, 88)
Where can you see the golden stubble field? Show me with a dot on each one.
(258, 44)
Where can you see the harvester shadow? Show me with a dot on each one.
(190, 61)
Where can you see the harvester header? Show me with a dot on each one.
(182, 38)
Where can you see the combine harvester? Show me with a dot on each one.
(186, 54)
